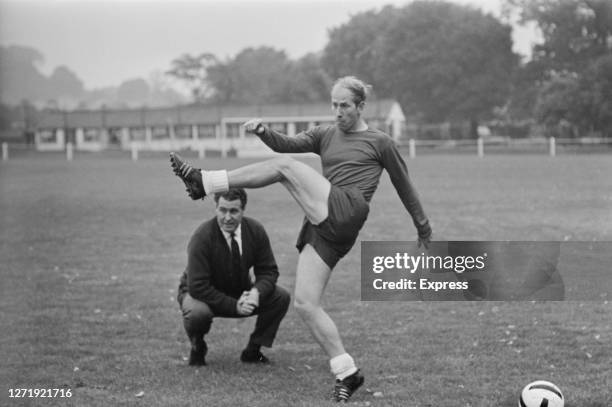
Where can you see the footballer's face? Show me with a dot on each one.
(347, 113)
(229, 214)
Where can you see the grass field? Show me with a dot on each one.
(92, 251)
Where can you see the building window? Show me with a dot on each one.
(182, 132)
(48, 136)
(160, 133)
(91, 135)
(206, 131)
(114, 135)
(138, 134)
(232, 130)
(70, 135)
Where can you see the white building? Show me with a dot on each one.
(213, 129)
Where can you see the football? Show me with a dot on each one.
(541, 394)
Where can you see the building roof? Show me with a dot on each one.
(197, 114)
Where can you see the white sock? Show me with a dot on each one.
(215, 181)
(342, 366)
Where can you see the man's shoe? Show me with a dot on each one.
(254, 357)
(192, 177)
(197, 356)
(344, 389)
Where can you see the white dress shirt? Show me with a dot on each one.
(237, 236)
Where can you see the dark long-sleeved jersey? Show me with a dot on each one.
(354, 159)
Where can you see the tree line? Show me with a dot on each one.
(443, 62)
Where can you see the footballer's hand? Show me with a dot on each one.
(254, 126)
(424, 237)
(423, 242)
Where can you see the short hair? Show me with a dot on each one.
(231, 195)
(357, 87)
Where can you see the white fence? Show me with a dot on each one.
(478, 147)
(498, 145)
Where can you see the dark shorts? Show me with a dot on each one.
(335, 236)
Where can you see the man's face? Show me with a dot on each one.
(229, 214)
(347, 114)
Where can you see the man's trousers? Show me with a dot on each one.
(198, 317)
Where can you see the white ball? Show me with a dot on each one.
(541, 394)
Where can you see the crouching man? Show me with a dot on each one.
(216, 281)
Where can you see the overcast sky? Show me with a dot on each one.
(108, 41)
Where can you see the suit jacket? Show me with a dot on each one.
(209, 277)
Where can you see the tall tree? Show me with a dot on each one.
(254, 75)
(134, 91)
(307, 81)
(266, 75)
(257, 75)
(569, 70)
(580, 102)
(442, 61)
(64, 82)
(223, 82)
(355, 47)
(193, 71)
(574, 32)
(20, 77)
(596, 97)
(556, 100)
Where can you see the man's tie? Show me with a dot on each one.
(235, 255)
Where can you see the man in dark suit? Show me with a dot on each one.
(216, 282)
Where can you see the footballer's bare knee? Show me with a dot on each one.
(305, 308)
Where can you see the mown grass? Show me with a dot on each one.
(92, 251)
